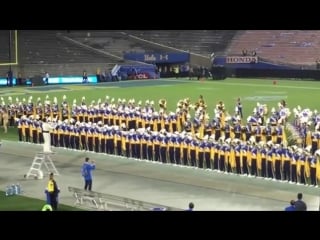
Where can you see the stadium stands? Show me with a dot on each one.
(202, 42)
(113, 42)
(65, 52)
(34, 51)
(4, 50)
(281, 46)
(45, 50)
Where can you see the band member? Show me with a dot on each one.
(5, 119)
(239, 108)
(162, 105)
(46, 128)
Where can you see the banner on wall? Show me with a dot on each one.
(239, 59)
(158, 57)
(54, 80)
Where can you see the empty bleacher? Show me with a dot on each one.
(202, 42)
(4, 49)
(45, 50)
(113, 42)
(297, 47)
(44, 47)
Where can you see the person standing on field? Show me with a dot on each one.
(5, 118)
(53, 191)
(87, 169)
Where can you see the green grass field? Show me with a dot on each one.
(22, 203)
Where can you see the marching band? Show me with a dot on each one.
(257, 148)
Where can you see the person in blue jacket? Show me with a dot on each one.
(291, 207)
(87, 168)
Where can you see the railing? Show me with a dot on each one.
(103, 201)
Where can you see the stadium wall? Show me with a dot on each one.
(252, 66)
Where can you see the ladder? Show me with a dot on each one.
(41, 158)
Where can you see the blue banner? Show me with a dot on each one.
(158, 57)
(79, 79)
(3, 81)
(54, 80)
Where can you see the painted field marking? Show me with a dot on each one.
(270, 92)
(208, 88)
(106, 87)
(269, 86)
(13, 94)
(48, 91)
(265, 98)
(245, 84)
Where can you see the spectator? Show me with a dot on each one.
(191, 74)
(300, 205)
(9, 78)
(114, 75)
(19, 79)
(46, 78)
(98, 74)
(244, 52)
(84, 77)
(291, 207)
(239, 108)
(318, 64)
(191, 206)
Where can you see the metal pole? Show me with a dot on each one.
(10, 40)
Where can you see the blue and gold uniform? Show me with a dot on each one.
(278, 163)
(170, 147)
(177, 149)
(207, 150)
(301, 169)
(144, 139)
(264, 170)
(313, 169)
(294, 160)
(285, 164)
(156, 143)
(201, 154)
(270, 162)
(104, 139)
(192, 149)
(96, 140)
(185, 153)
(244, 159)
(253, 160)
(150, 146)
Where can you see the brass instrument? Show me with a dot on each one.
(163, 104)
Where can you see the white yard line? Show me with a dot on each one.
(270, 92)
(245, 84)
(269, 85)
(208, 88)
